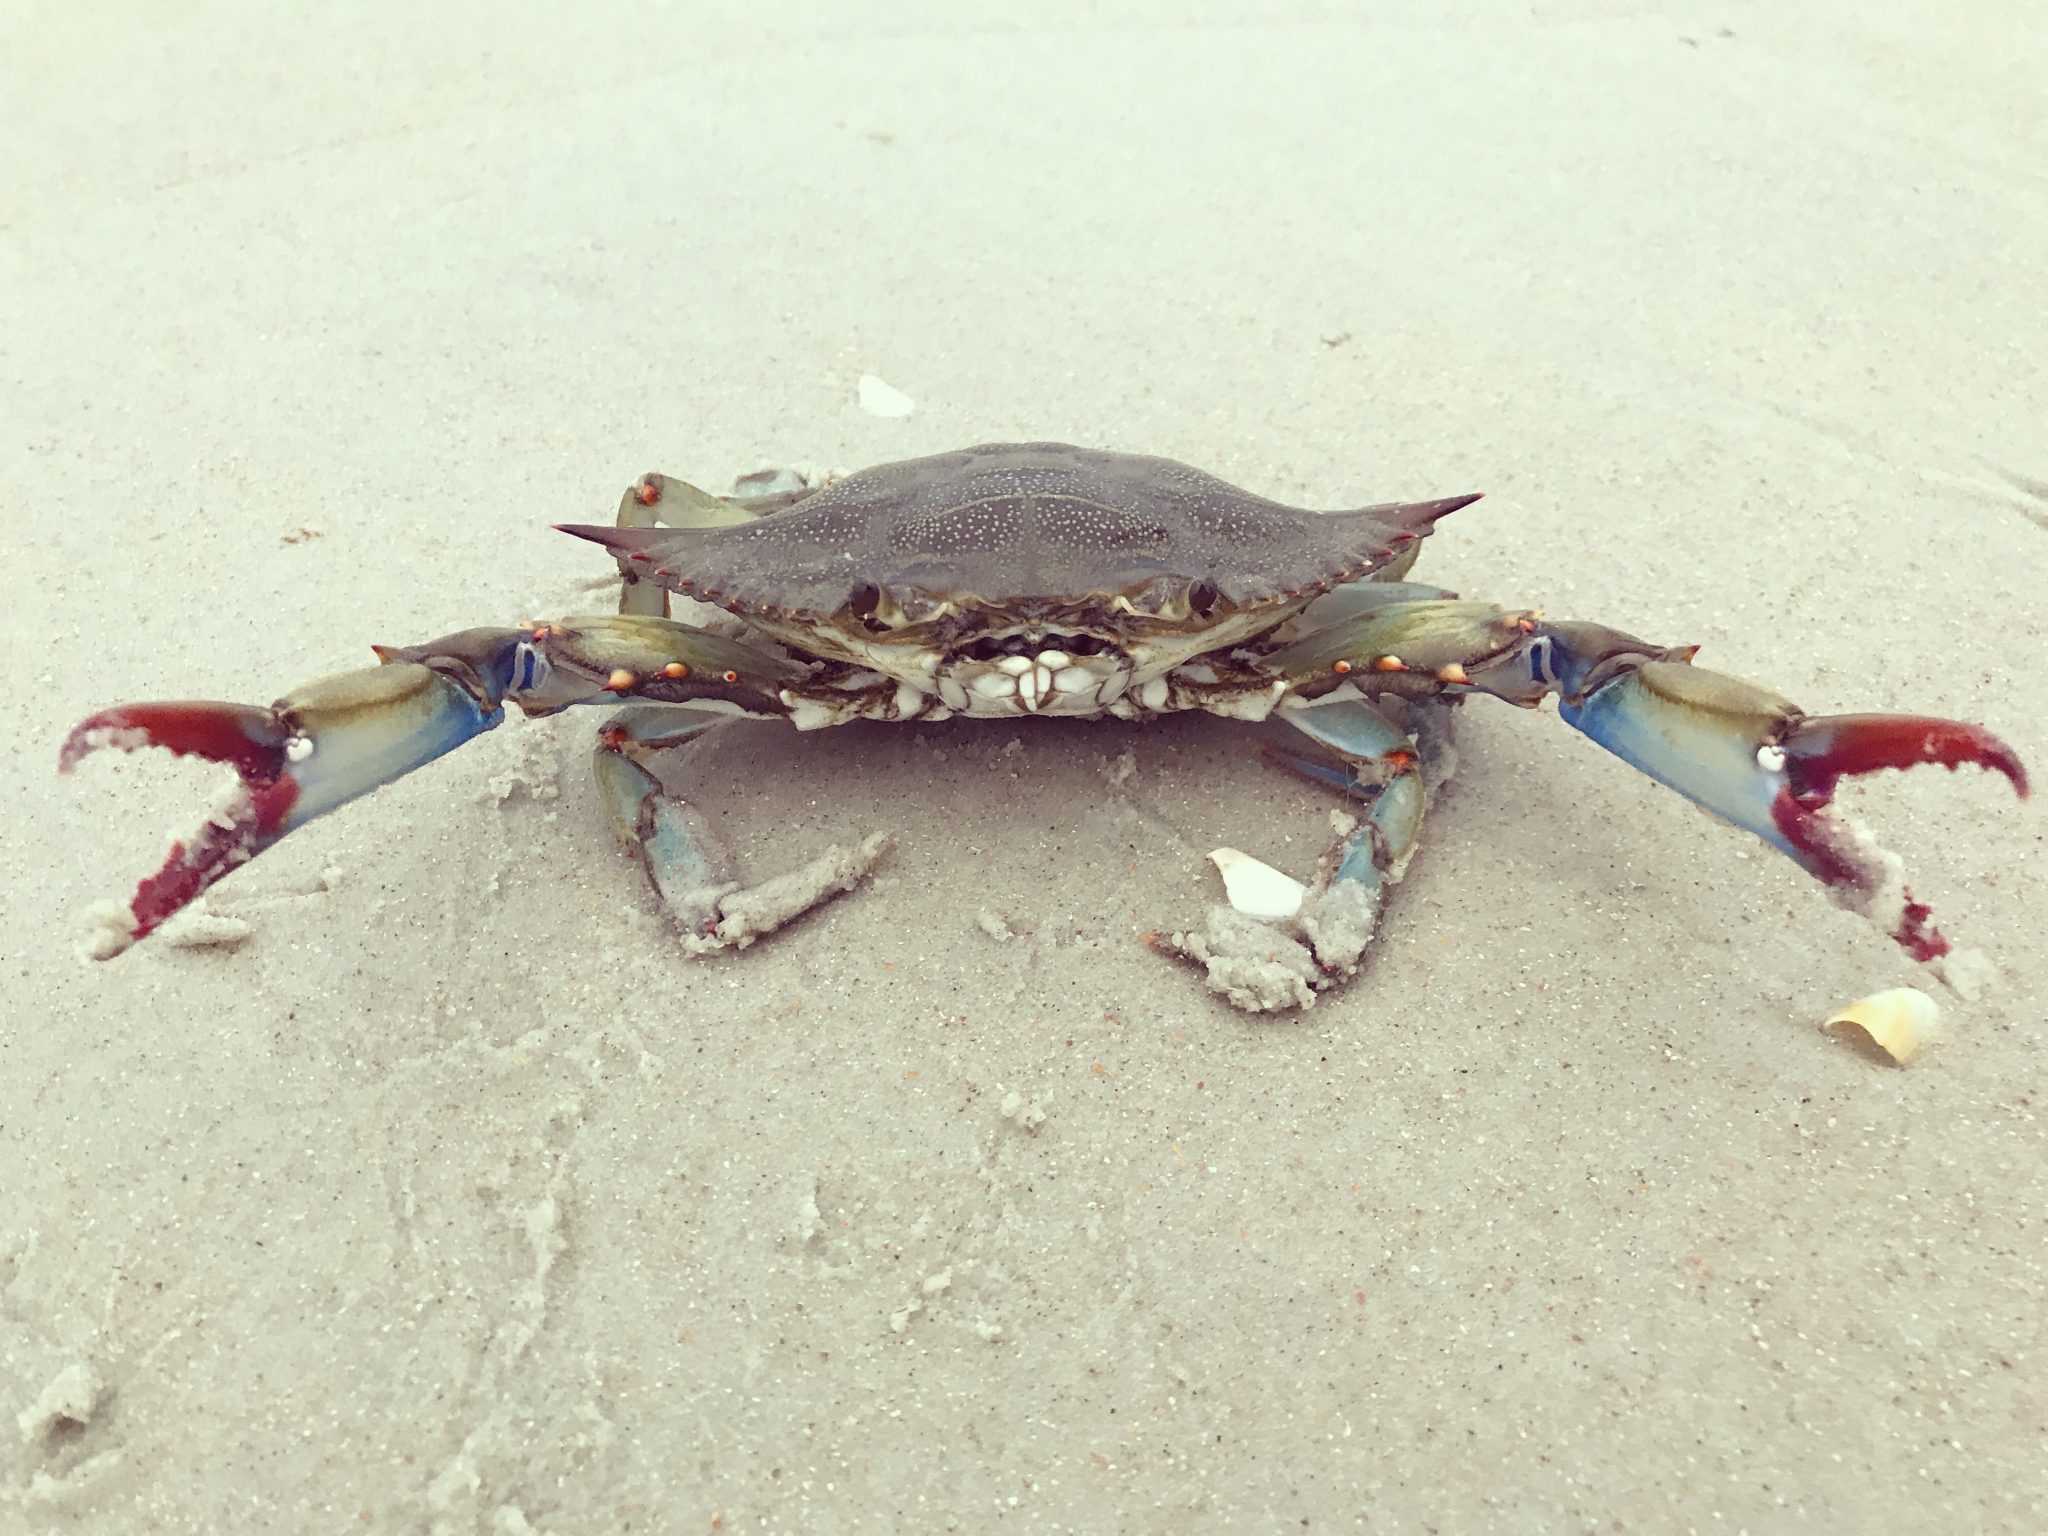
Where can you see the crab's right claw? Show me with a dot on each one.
(319, 747)
(1756, 760)
(1822, 751)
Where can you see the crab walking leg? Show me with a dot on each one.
(669, 838)
(657, 500)
(1739, 750)
(1263, 966)
(1378, 766)
(688, 871)
(333, 740)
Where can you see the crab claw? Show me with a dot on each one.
(1754, 759)
(319, 747)
(1825, 749)
(1818, 754)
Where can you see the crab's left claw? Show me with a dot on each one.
(1755, 759)
(319, 747)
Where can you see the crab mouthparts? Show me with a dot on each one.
(996, 647)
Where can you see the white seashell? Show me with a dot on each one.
(1902, 1022)
(1255, 889)
(879, 399)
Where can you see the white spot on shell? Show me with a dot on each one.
(1256, 889)
(1770, 758)
(298, 748)
(880, 399)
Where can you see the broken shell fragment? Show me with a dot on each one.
(880, 399)
(1902, 1022)
(1255, 889)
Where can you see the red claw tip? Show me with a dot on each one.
(215, 850)
(1834, 747)
(249, 739)
(1822, 752)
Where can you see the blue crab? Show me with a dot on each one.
(1041, 579)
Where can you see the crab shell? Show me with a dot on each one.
(1017, 578)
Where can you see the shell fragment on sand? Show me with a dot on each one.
(1902, 1022)
(880, 399)
(1256, 889)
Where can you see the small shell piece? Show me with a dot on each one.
(1255, 889)
(880, 399)
(1902, 1022)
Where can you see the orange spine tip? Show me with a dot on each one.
(620, 681)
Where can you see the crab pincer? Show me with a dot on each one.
(1732, 747)
(1755, 759)
(336, 739)
(317, 748)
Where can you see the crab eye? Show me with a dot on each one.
(1204, 599)
(862, 601)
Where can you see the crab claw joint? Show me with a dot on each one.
(1754, 759)
(317, 748)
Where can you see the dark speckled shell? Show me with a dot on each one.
(1022, 524)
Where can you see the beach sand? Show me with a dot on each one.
(454, 1198)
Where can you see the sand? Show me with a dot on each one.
(452, 1197)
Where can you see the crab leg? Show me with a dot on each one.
(326, 743)
(1377, 765)
(1371, 760)
(684, 863)
(1739, 750)
(674, 844)
(656, 500)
